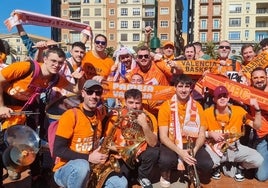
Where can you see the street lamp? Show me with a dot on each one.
(155, 41)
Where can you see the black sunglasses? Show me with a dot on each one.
(100, 42)
(97, 92)
(226, 47)
(145, 56)
(224, 95)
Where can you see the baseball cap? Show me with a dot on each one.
(219, 91)
(168, 43)
(90, 83)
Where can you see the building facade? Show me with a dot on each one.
(123, 21)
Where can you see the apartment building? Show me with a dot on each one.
(123, 21)
(238, 21)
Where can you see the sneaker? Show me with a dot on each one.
(239, 176)
(216, 174)
(145, 183)
(164, 183)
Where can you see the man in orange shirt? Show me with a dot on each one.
(151, 74)
(224, 125)
(136, 129)
(96, 63)
(180, 119)
(259, 81)
(76, 145)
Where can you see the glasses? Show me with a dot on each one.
(146, 56)
(226, 47)
(97, 92)
(100, 42)
(224, 95)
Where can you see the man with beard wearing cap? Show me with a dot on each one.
(76, 145)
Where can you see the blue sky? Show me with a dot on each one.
(38, 6)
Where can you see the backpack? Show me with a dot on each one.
(51, 133)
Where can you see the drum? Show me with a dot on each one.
(55, 109)
(23, 145)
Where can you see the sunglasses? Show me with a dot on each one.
(146, 56)
(97, 92)
(224, 95)
(226, 47)
(100, 42)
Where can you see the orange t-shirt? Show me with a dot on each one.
(233, 120)
(94, 66)
(263, 131)
(223, 70)
(79, 131)
(153, 77)
(18, 88)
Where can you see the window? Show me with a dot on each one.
(149, 12)
(97, 24)
(234, 22)
(247, 6)
(216, 24)
(164, 11)
(111, 24)
(65, 12)
(111, 12)
(123, 37)
(163, 23)
(75, 13)
(136, 24)
(234, 35)
(246, 34)
(203, 37)
(204, 11)
(124, 24)
(124, 12)
(235, 8)
(97, 11)
(111, 1)
(216, 37)
(216, 10)
(163, 37)
(136, 37)
(86, 12)
(149, 23)
(203, 1)
(135, 1)
(247, 20)
(136, 11)
(111, 36)
(123, 1)
(74, 36)
(86, 1)
(97, 1)
(86, 22)
(203, 24)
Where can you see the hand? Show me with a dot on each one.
(218, 137)
(5, 112)
(96, 157)
(148, 30)
(98, 78)
(254, 103)
(186, 157)
(78, 74)
(142, 120)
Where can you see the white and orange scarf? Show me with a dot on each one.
(31, 18)
(190, 127)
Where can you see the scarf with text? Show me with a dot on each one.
(31, 18)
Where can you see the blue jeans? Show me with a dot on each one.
(74, 174)
(262, 172)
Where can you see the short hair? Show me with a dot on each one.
(257, 69)
(100, 35)
(244, 46)
(184, 79)
(2, 46)
(80, 45)
(55, 50)
(264, 42)
(188, 46)
(133, 93)
(198, 44)
(142, 48)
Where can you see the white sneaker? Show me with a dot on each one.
(164, 183)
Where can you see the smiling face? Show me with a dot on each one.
(221, 100)
(144, 59)
(224, 50)
(248, 54)
(77, 55)
(259, 79)
(183, 91)
(92, 97)
(100, 43)
(53, 63)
